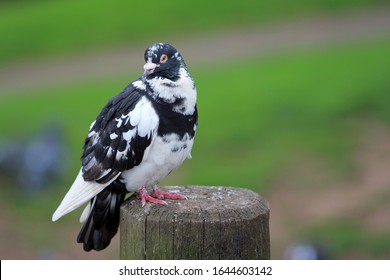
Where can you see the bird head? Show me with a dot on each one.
(163, 60)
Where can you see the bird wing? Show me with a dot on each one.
(117, 140)
(119, 137)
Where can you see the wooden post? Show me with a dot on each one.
(214, 223)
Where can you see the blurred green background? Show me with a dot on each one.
(293, 100)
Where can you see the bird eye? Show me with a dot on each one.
(163, 58)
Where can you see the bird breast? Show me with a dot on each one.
(164, 155)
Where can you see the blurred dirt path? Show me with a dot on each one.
(308, 195)
(205, 50)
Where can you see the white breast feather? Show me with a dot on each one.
(158, 161)
(182, 88)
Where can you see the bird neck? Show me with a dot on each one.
(180, 94)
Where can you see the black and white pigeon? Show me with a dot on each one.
(139, 137)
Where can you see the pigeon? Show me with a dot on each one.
(140, 136)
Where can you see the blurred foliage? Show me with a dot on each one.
(348, 235)
(42, 27)
(271, 109)
(274, 107)
(256, 113)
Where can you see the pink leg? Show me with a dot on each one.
(160, 194)
(145, 197)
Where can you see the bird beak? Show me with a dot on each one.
(149, 68)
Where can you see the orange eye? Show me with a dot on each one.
(163, 58)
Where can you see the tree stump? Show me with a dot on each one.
(214, 223)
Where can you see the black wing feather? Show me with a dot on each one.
(99, 158)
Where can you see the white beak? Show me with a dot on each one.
(149, 68)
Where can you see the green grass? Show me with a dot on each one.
(255, 114)
(348, 235)
(50, 28)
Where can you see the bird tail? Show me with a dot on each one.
(102, 217)
(79, 193)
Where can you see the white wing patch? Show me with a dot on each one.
(129, 134)
(143, 118)
(113, 136)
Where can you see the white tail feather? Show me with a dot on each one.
(85, 214)
(80, 192)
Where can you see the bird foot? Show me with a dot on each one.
(157, 196)
(160, 194)
(144, 197)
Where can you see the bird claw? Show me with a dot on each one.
(160, 194)
(157, 196)
(152, 200)
(145, 197)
